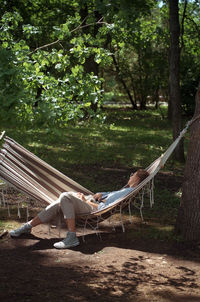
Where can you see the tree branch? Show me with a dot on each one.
(73, 30)
(182, 24)
(196, 26)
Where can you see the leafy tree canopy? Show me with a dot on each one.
(58, 57)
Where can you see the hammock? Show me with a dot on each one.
(29, 174)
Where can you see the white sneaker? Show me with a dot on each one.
(70, 241)
(24, 229)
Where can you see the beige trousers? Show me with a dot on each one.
(68, 204)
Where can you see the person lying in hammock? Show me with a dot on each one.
(72, 204)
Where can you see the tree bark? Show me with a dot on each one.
(188, 220)
(174, 86)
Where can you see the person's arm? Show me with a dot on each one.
(95, 205)
(97, 196)
(82, 197)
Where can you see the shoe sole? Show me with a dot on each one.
(14, 235)
(67, 246)
(19, 234)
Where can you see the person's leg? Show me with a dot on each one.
(71, 206)
(71, 224)
(35, 221)
(43, 217)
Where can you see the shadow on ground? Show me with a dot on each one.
(116, 268)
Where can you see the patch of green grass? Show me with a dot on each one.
(1, 225)
(7, 224)
(150, 230)
(127, 139)
(165, 207)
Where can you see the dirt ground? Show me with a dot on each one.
(113, 268)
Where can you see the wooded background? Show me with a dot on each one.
(61, 61)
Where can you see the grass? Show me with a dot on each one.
(100, 156)
(127, 139)
(152, 231)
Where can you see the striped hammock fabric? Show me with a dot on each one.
(33, 176)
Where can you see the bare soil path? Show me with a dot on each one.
(116, 268)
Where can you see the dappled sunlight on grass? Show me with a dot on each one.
(127, 138)
(152, 230)
(8, 224)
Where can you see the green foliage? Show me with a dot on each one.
(54, 79)
(11, 92)
(56, 50)
(57, 59)
(141, 54)
(190, 65)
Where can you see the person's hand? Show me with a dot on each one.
(81, 196)
(97, 196)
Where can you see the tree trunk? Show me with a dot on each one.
(134, 104)
(169, 112)
(143, 102)
(174, 86)
(188, 220)
(155, 97)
